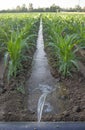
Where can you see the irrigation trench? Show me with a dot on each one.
(42, 86)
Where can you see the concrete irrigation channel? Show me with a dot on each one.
(42, 126)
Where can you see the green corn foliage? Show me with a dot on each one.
(16, 35)
(64, 49)
(66, 54)
(63, 33)
(15, 47)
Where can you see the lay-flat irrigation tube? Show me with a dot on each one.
(42, 126)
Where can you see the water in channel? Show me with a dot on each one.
(43, 96)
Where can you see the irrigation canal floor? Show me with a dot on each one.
(42, 126)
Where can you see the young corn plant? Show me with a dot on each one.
(14, 49)
(65, 51)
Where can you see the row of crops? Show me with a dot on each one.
(18, 33)
(65, 36)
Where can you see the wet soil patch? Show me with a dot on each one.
(75, 86)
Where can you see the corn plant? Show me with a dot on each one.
(62, 35)
(14, 50)
(65, 51)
